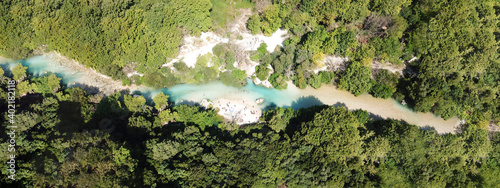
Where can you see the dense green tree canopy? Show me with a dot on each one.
(455, 43)
(103, 35)
(458, 50)
(356, 79)
(186, 146)
(67, 138)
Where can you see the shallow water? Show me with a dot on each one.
(291, 97)
(300, 98)
(42, 66)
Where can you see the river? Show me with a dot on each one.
(291, 97)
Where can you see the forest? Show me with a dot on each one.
(71, 139)
(68, 138)
(453, 45)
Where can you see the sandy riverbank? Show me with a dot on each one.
(234, 104)
(90, 79)
(241, 111)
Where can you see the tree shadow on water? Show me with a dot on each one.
(186, 102)
(271, 105)
(306, 101)
(340, 104)
(91, 90)
(375, 117)
(428, 128)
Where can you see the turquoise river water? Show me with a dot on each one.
(291, 97)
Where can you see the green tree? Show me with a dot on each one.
(477, 145)
(234, 78)
(389, 7)
(166, 116)
(227, 79)
(271, 19)
(381, 90)
(334, 131)
(315, 40)
(278, 81)
(158, 80)
(300, 81)
(315, 81)
(230, 59)
(190, 115)
(451, 65)
(161, 101)
(346, 41)
(121, 156)
(47, 84)
(262, 71)
(254, 24)
(388, 47)
(329, 12)
(138, 125)
(163, 150)
(19, 72)
(327, 77)
(277, 119)
(261, 51)
(194, 15)
(283, 62)
(133, 103)
(299, 23)
(239, 75)
(356, 79)
(25, 87)
(330, 43)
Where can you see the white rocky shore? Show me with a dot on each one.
(238, 111)
(90, 80)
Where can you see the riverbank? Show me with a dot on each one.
(74, 74)
(234, 104)
(244, 98)
(240, 111)
(90, 80)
